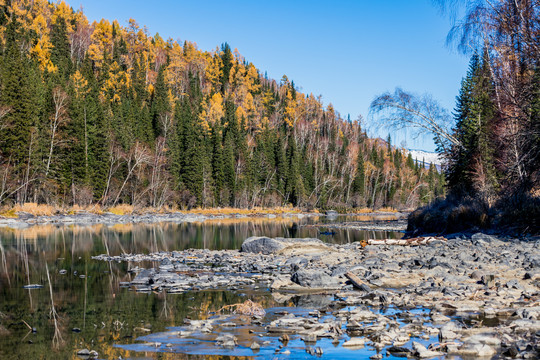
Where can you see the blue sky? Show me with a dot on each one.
(347, 51)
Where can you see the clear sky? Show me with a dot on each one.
(348, 51)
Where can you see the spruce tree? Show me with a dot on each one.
(60, 52)
(160, 101)
(20, 83)
(227, 63)
(360, 176)
(218, 172)
(474, 117)
(191, 151)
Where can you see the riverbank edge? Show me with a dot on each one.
(24, 219)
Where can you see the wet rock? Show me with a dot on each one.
(355, 342)
(440, 318)
(399, 351)
(525, 325)
(255, 346)
(512, 352)
(228, 341)
(450, 331)
(282, 282)
(310, 338)
(421, 351)
(83, 352)
(529, 312)
(314, 279)
(483, 339)
(476, 350)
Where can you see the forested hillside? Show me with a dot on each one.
(106, 113)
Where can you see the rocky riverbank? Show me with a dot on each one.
(481, 294)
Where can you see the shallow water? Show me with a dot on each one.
(94, 312)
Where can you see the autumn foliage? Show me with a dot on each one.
(105, 113)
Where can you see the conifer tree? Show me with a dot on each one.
(360, 176)
(190, 151)
(20, 94)
(218, 172)
(227, 63)
(60, 52)
(160, 101)
(474, 115)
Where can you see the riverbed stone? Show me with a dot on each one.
(314, 279)
(422, 352)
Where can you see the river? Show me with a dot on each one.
(95, 312)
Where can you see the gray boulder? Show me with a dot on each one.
(262, 244)
(285, 246)
(314, 279)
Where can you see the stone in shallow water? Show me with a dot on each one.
(355, 342)
(422, 352)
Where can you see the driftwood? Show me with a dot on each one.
(355, 280)
(407, 242)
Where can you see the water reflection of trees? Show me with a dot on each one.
(88, 296)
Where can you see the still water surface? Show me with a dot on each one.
(94, 312)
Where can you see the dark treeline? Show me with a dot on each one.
(107, 114)
(493, 162)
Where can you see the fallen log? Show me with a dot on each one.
(355, 280)
(407, 242)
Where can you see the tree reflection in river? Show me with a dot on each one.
(94, 311)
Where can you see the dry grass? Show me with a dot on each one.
(248, 308)
(122, 209)
(236, 211)
(370, 211)
(30, 208)
(8, 213)
(125, 209)
(93, 209)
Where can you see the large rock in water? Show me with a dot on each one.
(286, 246)
(314, 279)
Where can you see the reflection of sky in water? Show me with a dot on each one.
(247, 332)
(88, 297)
